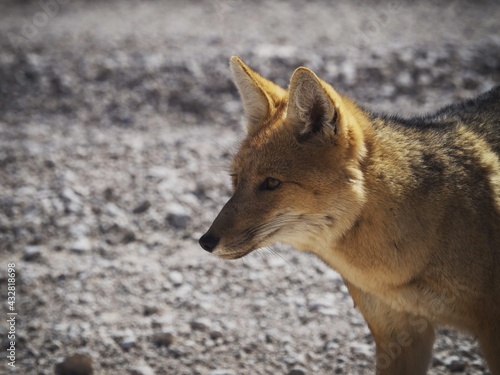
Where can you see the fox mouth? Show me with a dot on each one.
(237, 254)
(233, 255)
(235, 251)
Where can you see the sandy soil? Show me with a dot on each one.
(118, 119)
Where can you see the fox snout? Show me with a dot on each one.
(222, 224)
(209, 241)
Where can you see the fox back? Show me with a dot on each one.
(406, 210)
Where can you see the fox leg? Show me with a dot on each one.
(489, 340)
(404, 341)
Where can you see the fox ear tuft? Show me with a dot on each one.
(260, 96)
(312, 109)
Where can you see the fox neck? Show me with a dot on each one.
(377, 241)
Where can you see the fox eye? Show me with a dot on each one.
(270, 183)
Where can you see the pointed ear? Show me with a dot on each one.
(260, 96)
(314, 110)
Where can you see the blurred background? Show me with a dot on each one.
(117, 124)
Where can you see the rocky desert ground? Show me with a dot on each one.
(117, 122)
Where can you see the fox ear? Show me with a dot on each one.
(314, 108)
(260, 96)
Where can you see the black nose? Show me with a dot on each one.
(208, 242)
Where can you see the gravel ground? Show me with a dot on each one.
(118, 120)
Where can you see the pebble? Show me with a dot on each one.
(127, 342)
(79, 230)
(142, 207)
(362, 350)
(298, 370)
(184, 292)
(200, 324)
(71, 196)
(129, 236)
(176, 278)
(296, 359)
(142, 370)
(109, 193)
(150, 310)
(81, 245)
(221, 372)
(215, 334)
(76, 364)
(49, 163)
(177, 216)
(175, 353)
(73, 203)
(163, 339)
(32, 253)
(320, 303)
(454, 364)
(404, 79)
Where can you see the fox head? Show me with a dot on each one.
(297, 175)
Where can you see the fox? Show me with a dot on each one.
(405, 209)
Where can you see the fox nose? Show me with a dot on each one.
(208, 242)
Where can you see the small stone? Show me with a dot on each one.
(32, 253)
(127, 342)
(456, 365)
(215, 334)
(176, 278)
(177, 216)
(175, 353)
(81, 245)
(142, 370)
(49, 163)
(221, 372)
(79, 230)
(109, 194)
(437, 362)
(151, 310)
(163, 339)
(142, 207)
(404, 79)
(361, 349)
(72, 202)
(70, 195)
(270, 338)
(297, 370)
(76, 364)
(32, 351)
(320, 303)
(200, 325)
(184, 291)
(295, 360)
(128, 237)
